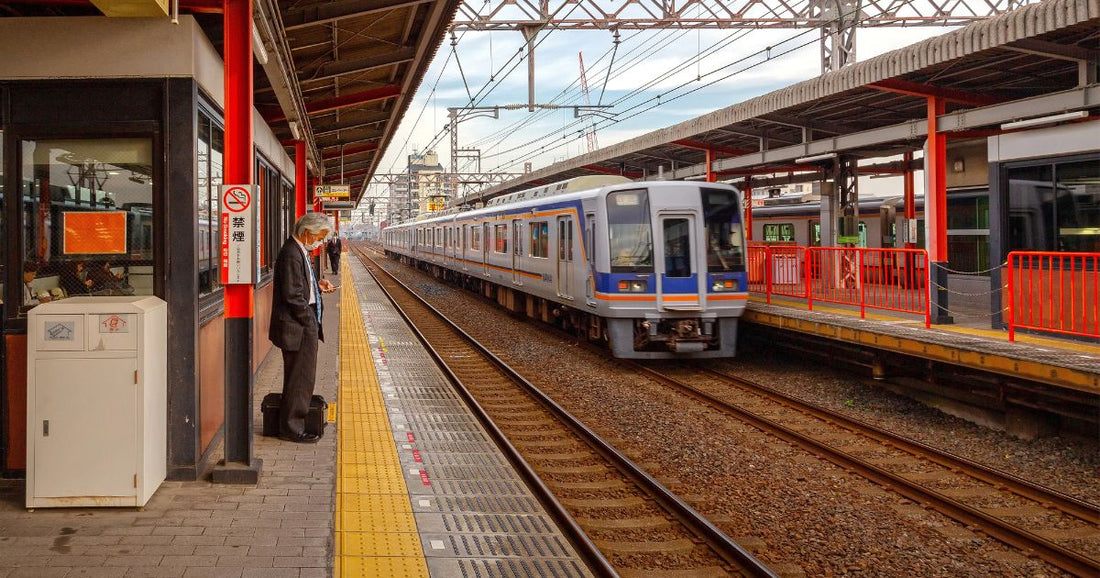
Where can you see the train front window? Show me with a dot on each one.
(87, 218)
(630, 232)
(722, 224)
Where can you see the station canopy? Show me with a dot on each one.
(339, 74)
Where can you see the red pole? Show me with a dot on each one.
(711, 177)
(748, 208)
(300, 179)
(935, 210)
(1011, 313)
(239, 465)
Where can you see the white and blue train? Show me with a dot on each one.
(656, 269)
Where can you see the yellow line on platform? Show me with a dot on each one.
(376, 532)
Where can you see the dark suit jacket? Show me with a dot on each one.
(291, 314)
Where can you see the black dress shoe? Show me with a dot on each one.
(302, 438)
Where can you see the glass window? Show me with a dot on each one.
(517, 238)
(630, 231)
(677, 234)
(722, 229)
(540, 239)
(815, 234)
(777, 232)
(209, 163)
(1078, 200)
(861, 228)
(88, 218)
(1031, 208)
(500, 236)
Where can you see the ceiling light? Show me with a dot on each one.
(816, 158)
(1045, 120)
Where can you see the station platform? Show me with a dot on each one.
(405, 483)
(1057, 362)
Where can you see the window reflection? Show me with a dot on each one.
(87, 218)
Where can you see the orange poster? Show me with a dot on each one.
(94, 232)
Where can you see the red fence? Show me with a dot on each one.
(887, 279)
(1055, 292)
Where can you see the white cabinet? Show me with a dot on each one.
(96, 401)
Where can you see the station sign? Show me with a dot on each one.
(338, 206)
(240, 257)
(326, 193)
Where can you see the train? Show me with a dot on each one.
(655, 269)
(796, 220)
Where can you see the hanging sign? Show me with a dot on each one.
(240, 235)
(326, 193)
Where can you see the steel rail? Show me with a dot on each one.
(1053, 553)
(722, 544)
(1064, 502)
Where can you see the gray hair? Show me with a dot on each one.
(312, 222)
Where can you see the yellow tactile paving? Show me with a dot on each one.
(375, 528)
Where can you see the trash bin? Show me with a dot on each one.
(97, 401)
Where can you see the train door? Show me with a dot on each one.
(465, 246)
(678, 285)
(565, 256)
(590, 257)
(517, 251)
(485, 248)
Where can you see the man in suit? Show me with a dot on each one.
(333, 249)
(296, 322)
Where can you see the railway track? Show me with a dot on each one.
(1000, 505)
(623, 520)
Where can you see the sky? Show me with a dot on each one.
(657, 80)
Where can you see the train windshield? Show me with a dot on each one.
(630, 232)
(722, 216)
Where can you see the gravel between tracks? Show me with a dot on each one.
(795, 511)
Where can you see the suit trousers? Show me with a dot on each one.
(334, 261)
(299, 380)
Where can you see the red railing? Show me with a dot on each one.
(1053, 291)
(886, 279)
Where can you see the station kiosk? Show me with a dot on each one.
(97, 401)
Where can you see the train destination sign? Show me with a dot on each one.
(339, 205)
(240, 235)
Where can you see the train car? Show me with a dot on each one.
(796, 220)
(656, 269)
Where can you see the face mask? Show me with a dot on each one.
(314, 245)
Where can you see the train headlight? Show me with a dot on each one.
(633, 286)
(721, 285)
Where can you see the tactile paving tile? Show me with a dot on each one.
(472, 509)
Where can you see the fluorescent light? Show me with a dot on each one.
(258, 47)
(295, 131)
(816, 158)
(1045, 120)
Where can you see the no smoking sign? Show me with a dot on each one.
(240, 257)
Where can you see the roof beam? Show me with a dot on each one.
(346, 100)
(317, 14)
(359, 121)
(350, 150)
(926, 90)
(610, 171)
(1053, 50)
(703, 146)
(359, 65)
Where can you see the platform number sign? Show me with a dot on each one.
(240, 234)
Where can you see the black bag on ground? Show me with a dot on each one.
(316, 419)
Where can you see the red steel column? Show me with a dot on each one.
(300, 182)
(748, 208)
(239, 466)
(711, 177)
(935, 212)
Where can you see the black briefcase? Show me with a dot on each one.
(316, 419)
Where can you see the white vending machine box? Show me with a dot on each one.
(97, 401)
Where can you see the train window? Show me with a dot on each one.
(517, 238)
(475, 237)
(677, 235)
(862, 228)
(815, 236)
(500, 238)
(1078, 206)
(722, 224)
(779, 232)
(630, 233)
(540, 239)
(87, 218)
